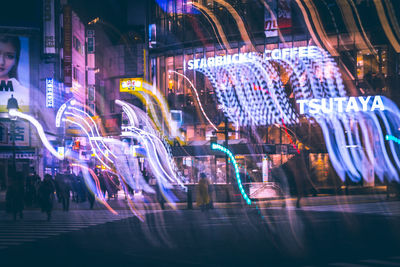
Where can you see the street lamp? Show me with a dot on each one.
(12, 105)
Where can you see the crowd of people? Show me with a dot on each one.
(64, 187)
(32, 191)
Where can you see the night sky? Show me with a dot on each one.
(28, 13)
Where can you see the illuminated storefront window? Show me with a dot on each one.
(372, 71)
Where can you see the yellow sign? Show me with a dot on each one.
(130, 84)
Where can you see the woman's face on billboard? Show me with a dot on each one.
(7, 59)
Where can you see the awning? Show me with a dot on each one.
(237, 149)
(18, 155)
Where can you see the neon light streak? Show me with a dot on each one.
(95, 127)
(90, 137)
(39, 128)
(198, 99)
(290, 139)
(94, 151)
(152, 91)
(222, 35)
(392, 138)
(59, 114)
(386, 25)
(215, 146)
(157, 150)
(96, 179)
(239, 22)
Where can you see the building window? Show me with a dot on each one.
(75, 73)
(78, 76)
(111, 106)
(77, 45)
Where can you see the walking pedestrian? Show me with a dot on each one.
(65, 190)
(57, 184)
(46, 195)
(90, 196)
(30, 188)
(15, 195)
(160, 196)
(203, 198)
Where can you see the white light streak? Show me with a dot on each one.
(198, 99)
(40, 131)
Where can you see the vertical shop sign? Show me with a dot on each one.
(67, 21)
(90, 41)
(49, 39)
(265, 169)
(49, 92)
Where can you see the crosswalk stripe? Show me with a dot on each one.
(35, 226)
(10, 243)
(343, 264)
(17, 240)
(381, 262)
(27, 236)
(36, 231)
(390, 261)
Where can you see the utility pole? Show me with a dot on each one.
(226, 132)
(12, 132)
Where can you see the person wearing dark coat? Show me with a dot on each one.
(301, 177)
(90, 196)
(46, 195)
(81, 187)
(64, 190)
(15, 195)
(30, 189)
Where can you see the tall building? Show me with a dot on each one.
(50, 50)
(364, 47)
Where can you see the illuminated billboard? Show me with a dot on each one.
(130, 84)
(14, 71)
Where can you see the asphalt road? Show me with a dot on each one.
(220, 237)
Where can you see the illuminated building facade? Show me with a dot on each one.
(182, 33)
(52, 68)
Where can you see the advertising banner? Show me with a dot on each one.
(49, 35)
(152, 35)
(130, 84)
(284, 16)
(15, 71)
(21, 133)
(270, 19)
(277, 16)
(67, 21)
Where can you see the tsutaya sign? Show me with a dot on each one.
(275, 54)
(340, 104)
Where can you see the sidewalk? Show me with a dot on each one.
(319, 200)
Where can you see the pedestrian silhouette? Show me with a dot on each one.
(46, 195)
(203, 197)
(15, 194)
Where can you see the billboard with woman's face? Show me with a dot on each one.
(14, 71)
